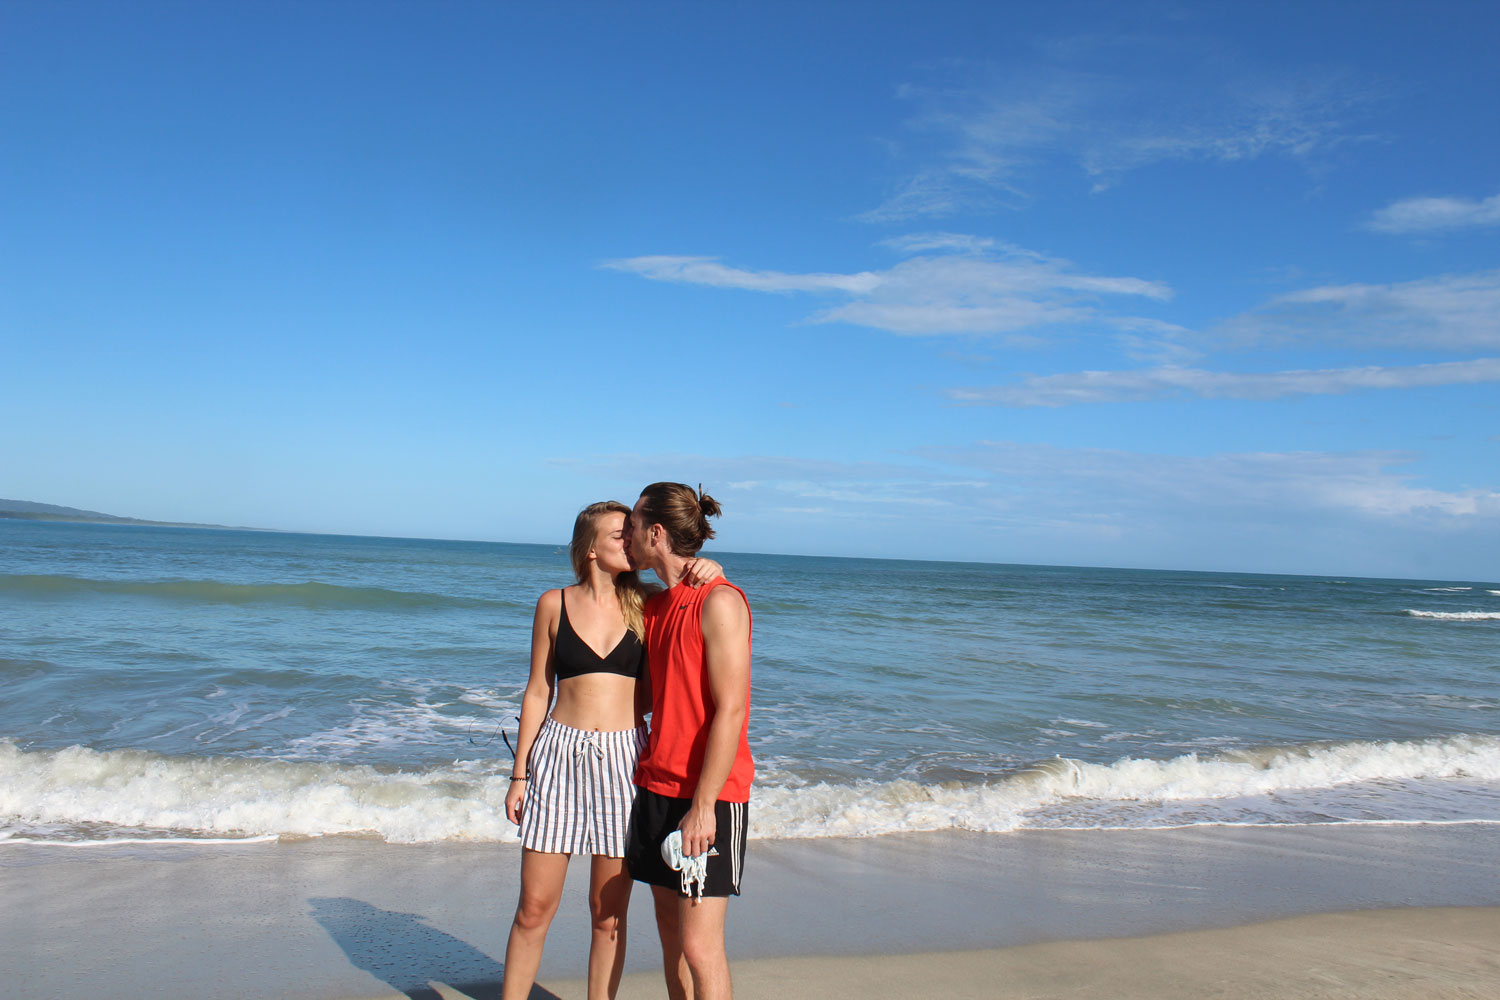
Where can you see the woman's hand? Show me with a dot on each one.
(700, 571)
(513, 799)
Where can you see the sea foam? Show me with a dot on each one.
(79, 791)
(1456, 616)
(137, 790)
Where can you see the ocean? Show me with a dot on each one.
(227, 686)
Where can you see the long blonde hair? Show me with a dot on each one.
(629, 590)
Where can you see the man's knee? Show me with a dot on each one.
(703, 950)
(702, 932)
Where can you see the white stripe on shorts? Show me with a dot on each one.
(581, 788)
(737, 811)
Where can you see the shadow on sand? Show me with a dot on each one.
(403, 950)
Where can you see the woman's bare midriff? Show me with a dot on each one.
(603, 701)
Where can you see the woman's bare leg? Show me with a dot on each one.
(609, 897)
(542, 877)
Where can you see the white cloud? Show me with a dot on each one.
(882, 490)
(1009, 291)
(958, 243)
(1352, 512)
(984, 142)
(1433, 215)
(1156, 342)
(751, 472)
(1215, 485)
(1246, 120)
(979, 143)
(1460, 311)
(934, 193)
(1157, 383)
(708, 271)
(1031, 481)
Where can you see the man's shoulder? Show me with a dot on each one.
(725, 599)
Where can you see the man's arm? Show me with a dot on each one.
(726, 654)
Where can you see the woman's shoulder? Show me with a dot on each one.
(550, 602)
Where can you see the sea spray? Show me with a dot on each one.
(146, 793)
(1011, 802)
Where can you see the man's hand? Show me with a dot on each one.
(698, 831)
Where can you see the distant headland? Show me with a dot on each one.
(27, 510)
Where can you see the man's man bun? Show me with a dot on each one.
(682, 512)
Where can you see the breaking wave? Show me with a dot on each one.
(77, 795)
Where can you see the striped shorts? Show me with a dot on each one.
(581, 788)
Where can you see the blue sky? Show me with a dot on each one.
(1200, 286)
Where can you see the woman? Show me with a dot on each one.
(573, 785)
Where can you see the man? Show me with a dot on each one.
(695, 773)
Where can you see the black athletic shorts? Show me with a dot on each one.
(654, 816)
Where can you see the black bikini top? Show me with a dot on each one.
(572, 656)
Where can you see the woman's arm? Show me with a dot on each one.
(537, 699)
(699, 571)
(643, 689)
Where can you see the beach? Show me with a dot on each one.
(1090, 403)
(250, 765)
(1337, 911)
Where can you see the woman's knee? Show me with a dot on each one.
(607, 910)
(535, 911)
(611, 922)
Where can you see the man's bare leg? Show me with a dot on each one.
(669, 928)
(701, 922)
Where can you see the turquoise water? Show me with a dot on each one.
(164, 682)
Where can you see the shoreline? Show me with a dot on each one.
(345, 917)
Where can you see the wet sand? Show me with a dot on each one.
(1201, 911)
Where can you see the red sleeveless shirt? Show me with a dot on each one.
(682, 704)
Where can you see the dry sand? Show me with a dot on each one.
(1431, 954)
